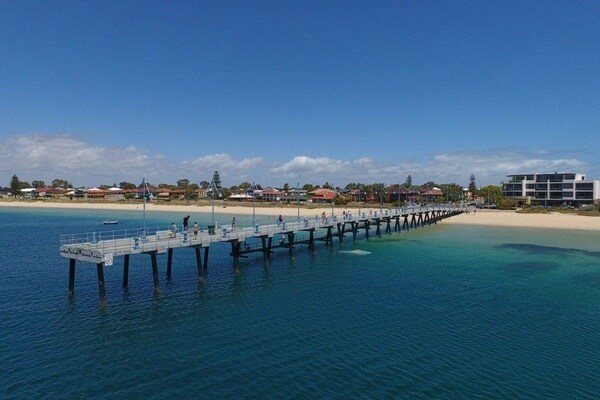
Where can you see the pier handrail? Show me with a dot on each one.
(351, 215)
(122, 241)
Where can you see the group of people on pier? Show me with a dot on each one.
(186, 220)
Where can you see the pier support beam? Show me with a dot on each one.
(205, 265)
(101, 288)
(291, 237)
(169, 262)
(329, 237)
(72, 262)
(154, 269)
(126, 270)
(266, 246)
(354, 227)
(199, 262)
(235, 253)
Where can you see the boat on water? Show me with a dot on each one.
(110, 222)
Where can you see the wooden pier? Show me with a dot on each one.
(101, 248)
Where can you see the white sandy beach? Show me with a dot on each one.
(481, 217)
(524, 220)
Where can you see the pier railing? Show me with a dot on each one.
(161, 238)
(102, 247)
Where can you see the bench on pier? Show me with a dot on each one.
(164, 235)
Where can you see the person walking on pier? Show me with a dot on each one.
(233, 224)
(279, 220)
(173, 229)
(185, 223)
(195, 230)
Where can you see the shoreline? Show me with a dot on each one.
(220, 209)
(499, 218)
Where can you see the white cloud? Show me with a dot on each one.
(47, 157)
(304, 164)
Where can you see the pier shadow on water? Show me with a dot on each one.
(535, 249)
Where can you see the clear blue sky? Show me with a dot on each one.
(298, 91)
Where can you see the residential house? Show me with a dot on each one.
(323, 196)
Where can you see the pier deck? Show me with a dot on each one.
(101, 248)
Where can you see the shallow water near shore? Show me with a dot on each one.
(445, 311)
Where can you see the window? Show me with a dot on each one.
(584, 195)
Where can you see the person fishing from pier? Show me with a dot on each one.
(279, 220)
(233, 224)
(195, 230)
(185, 223)
(173, 229)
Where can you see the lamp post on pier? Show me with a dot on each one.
(144, 187)
(253, 205)
(298, 198)
(381, 198)
(214, 190)
(332, 201)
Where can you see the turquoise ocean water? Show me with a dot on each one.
(445, 312)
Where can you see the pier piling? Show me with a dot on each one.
(72, 276)
(126, 271)
(102, 251)
(154, 268)
(169, 262)
(101, 288)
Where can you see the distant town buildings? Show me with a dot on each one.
(552, 189)
(548, 189)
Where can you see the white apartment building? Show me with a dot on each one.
(552, 189)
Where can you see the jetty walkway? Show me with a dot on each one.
(101, 248)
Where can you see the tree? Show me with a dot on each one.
(428, 185)
(38, 184)
(183, 183)
(244, 186)
(308, 187)
(472, 185)
(408, 182)
(191, 192)
(15, 185)
(127, 185)
(217, 179)
(492, 194)
(61, 183)
(452, 192)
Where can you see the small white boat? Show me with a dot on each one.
(110, 222)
